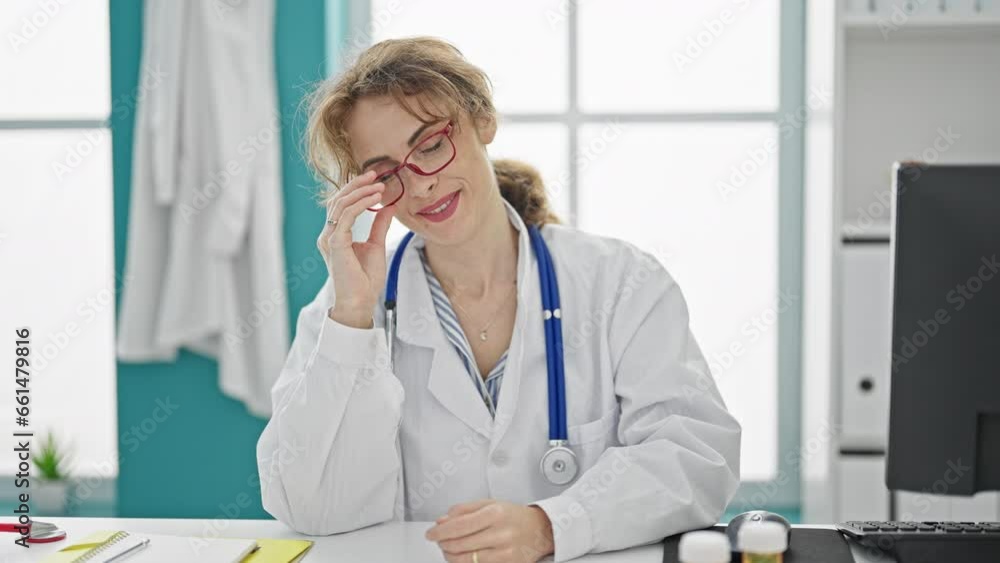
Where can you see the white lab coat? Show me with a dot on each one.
(352, 443)
(205, 264)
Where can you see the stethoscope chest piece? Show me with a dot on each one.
(559, 465)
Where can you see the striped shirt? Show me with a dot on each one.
(489, 389)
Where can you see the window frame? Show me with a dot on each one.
(57, 121)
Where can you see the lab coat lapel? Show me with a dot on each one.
(418, 324)
(529, 309)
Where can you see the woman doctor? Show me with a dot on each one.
(465, 424)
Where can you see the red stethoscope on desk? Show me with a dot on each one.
(38, 532)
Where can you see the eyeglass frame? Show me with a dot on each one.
(446, 132)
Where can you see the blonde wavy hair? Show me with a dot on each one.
(414, 69)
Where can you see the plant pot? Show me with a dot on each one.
(48, 498)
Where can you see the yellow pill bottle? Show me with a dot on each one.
(763, 542)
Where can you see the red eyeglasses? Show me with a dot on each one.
(431, 155)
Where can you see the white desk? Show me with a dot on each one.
(385, 543)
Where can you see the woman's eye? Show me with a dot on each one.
(432, 149)
(384, 178)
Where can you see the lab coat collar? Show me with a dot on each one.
(418, 324)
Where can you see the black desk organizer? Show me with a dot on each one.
(807, 546)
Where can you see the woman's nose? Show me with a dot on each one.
(418, 185)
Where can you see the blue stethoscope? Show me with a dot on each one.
(558, 463)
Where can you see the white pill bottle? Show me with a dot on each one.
(704, 547)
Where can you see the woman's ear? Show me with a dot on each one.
(487, 129)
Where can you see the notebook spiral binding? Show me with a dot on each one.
(119, 536)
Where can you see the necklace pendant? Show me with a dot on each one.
(482, 336)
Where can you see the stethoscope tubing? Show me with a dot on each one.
(391, 288)
(392, 283)
(557, 343)
(551, 321)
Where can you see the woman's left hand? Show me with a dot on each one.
(493, 531)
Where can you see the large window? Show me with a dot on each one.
(56, 225)
(655, 122)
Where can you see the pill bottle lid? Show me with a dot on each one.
(763, 537)
(703, 547)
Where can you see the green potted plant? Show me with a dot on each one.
(49, 490)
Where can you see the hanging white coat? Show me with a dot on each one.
(205, 265)
(351, 443)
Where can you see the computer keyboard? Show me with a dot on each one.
(928, 542)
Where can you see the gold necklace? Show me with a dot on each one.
(483, 332)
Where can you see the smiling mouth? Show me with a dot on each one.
(439, 205)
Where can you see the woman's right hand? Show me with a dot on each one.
(357, 268)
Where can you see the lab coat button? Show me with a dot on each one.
(499, 458)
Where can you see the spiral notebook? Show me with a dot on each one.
(120, 545)
(101, 547)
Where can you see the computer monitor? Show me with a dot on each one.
(944, 413)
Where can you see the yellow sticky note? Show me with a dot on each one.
(278, 551)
